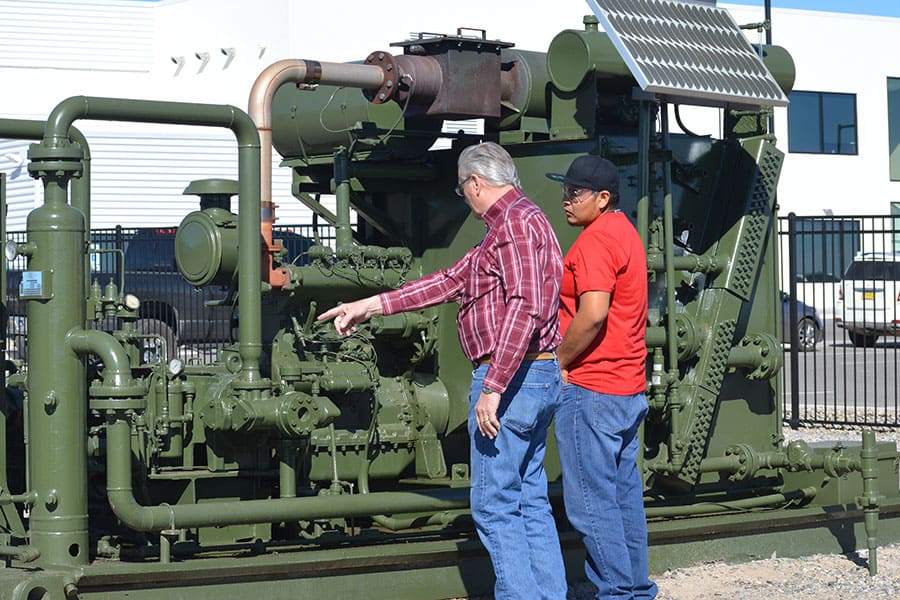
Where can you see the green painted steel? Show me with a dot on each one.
(576, 53)
(178, 113)
(303, 463)
(22, 129)
(57, 408)
(206, 247)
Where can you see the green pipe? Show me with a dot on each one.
(158, 518)
(116, 366)
(407, 521)
(694, 263)
(287, 469)
(190, 392)
(719, 464)
(20, 553)
(24, 129)
(386, 521)
(174, 402)
(669, 233)
(343, 234)
(870, 499)
(28, 498)
(338, 281)
(702, 508)
(209, 115)
(643, 204)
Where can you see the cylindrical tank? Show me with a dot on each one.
(781, 65)
(524, 86)
(206, 247)
(573, 54)
(310, 123)
(57, 414)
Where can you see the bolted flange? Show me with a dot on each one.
(61, 159)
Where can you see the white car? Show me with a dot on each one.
(868, 304)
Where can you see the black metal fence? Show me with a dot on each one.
(847, 268)
(195, 323)
(840, 277)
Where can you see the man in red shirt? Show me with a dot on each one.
(508, 292)
(603, 316)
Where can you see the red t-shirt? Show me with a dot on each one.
(608, 257)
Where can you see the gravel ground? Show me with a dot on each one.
(817, 577)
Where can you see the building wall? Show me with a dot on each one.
(847, 54)
(52, 49)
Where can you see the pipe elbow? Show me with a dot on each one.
(116, 366)
(63, 115)
(267, 83)
(126, 508)
(244, 128)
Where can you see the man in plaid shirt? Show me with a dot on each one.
(508, 292)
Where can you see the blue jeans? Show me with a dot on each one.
(598, 449)
(510, 505)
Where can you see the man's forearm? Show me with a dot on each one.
(577, 339)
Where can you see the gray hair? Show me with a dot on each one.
(490, 162)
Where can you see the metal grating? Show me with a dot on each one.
(690, 53)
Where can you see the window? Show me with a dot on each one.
(822, 123)
(824, 247)
(893, 104)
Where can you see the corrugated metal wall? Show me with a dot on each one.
(57, 34)
(138, 175)
(138, 170)
(21, 189)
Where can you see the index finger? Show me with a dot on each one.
(329, 314)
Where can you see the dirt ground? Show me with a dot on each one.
(819, 577)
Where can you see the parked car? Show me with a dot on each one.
(868, 304)
(171, 308)
(817, 277)
(809, 325)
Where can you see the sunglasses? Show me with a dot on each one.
(574, 195)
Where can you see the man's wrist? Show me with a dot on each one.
(486, 390)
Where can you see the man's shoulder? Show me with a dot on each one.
(523, 211)
(620, 237)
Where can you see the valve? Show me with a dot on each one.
(294, 414)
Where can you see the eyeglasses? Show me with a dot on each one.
(461, 186)
(573, 195)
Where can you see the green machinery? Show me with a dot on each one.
(303, 464)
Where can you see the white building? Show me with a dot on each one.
(212, 50)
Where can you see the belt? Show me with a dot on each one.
(546, 355)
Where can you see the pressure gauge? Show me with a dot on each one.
(132, 302)
(176, 366)
(11, 250)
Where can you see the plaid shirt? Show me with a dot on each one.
(507, 287)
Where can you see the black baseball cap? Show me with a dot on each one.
(590, 172)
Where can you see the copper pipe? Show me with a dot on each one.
(296, 71)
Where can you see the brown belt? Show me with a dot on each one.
(548, 355)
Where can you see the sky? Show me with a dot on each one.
(882, 8)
